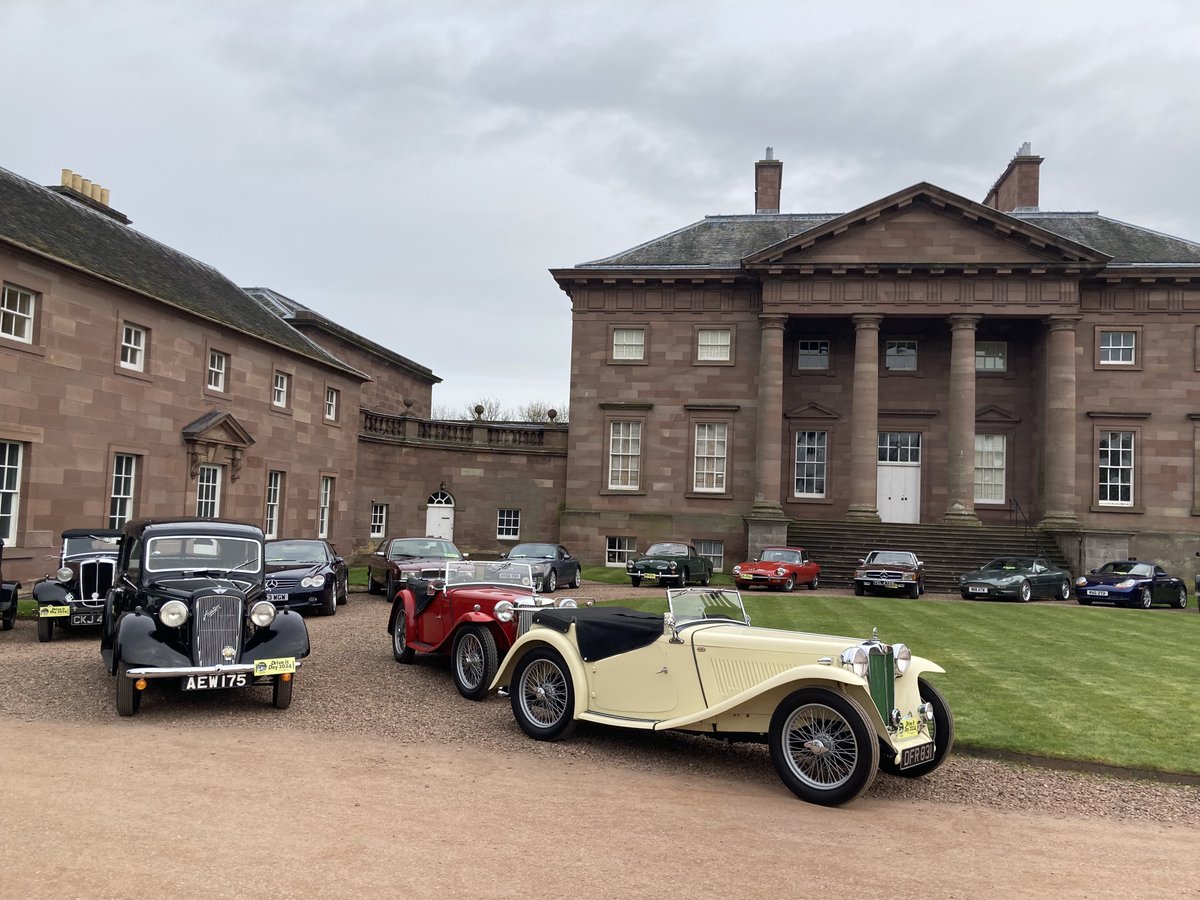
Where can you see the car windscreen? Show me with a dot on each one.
(423, 548)
(890, 558)
(695, 604)
(295, 553)
(667, 550)
(1008, 564)
(532, 551)
(86, 546)
(194, 553)
(1140, 570)
(784, 556)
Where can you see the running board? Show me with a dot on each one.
(621, 721)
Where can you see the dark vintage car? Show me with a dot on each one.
(781, 568)
(75, 594)
(8, 596)
(397, 558)
(1016, 578)
(306, 574)
(189, 606)
(552, 565)
(1131, 582)
(670, 561)
(890, 571)
(471, 611)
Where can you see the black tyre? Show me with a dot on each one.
(577, 581)
(543, 697)
(914, 592)
(474, 661)
(943, 735)
(400, 649)
(704, 580)
(1180, 601)
(329, 603)
(635, 580)
(45, 629)
(281, 692)
(1025, 592)
(1144, 598)
(816, 581)
(10, 618)
(683, 577)
(790, 584)
(550, 582)
(389, 592)
(823, 746)
(1064, 590)
(129, 698)
(858, 589)
(344, 596)
(372, 585)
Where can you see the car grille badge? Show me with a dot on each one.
(227, 652)
(219, 589)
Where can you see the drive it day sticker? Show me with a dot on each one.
(275, 666)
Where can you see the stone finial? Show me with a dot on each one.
(552, 414)
(479, 410)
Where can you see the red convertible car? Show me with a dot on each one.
(471, 611)
(781, 568)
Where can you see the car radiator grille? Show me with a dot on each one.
(885, 574)
(95, 578)
(881, 677)
(218, 625)
(282, 584)
(525, 618)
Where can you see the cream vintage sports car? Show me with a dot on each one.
(833, 710)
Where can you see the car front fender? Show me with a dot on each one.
(547, 637)
(137, 645)
(49, 592)
(286, 636)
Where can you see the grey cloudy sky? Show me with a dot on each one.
(411, 170)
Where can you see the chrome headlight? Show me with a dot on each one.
(1125, 585)
(857, 659)
(173, 613)
(262, 613)
(629, 565)
(671, 567)
(503, 611)
(568, 603)
(1081, 581)
(737, 570)
(64, 574)
(313, 581)
(903, 657)
(909, 576)
(781, 571)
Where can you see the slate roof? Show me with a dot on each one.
(721, 242)
(53, 225)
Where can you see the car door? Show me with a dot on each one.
(569, 565)
(1163, 591)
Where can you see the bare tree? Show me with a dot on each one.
(539, 411)
(492, 410)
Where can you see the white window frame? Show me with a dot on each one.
(508, 524)
(991, 465)
(618, 550)
(1115, 350)
(899, 447)
(332, 398)
(272, 506)
(1111, 462)
(624, 455)
(124, 480)
(208, 492)
(379, 517)
(280, 386)
(324, 502)
(713, 551)
(711, 450)
(812, 356)
(625, 347)
(218, 366)
(11, 458)
(714, 344)
(133, 347)
(812, 464)
(991, 356)
(900, 355)
(17, 308)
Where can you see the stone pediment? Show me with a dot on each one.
(926, 228)
(811, 411)
(217, 438)
(995, 415)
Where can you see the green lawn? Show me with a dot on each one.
(1114, 686)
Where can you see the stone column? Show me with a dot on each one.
(864, 421)
(766, 524)
(1058, 453)
(960, 440)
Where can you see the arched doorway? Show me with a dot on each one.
(439, 515)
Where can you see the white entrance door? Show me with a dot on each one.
(439, 516)
(898, 478)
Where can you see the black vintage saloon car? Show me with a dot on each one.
(189, 605)
(75, 594)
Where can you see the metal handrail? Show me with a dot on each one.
(1029, 529)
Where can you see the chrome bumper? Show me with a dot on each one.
(185, 671)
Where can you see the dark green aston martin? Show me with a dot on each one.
(1017, 578)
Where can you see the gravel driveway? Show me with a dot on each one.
(355, 702)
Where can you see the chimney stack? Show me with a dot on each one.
(1017, 188)
(768, 183)
(88, 193)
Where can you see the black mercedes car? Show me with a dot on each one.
(189, 606)
(673, 562)
(75, 594)
(306, 574)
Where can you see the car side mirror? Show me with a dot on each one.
(338, 560)
(862, 562)
(1091, 571)
(502, 556)
(919, 563)
(466, 556)
(379, 553)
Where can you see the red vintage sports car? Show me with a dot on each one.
(472, 611)
(781, 568)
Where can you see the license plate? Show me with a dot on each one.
(277, 598)
(274, 666)
(85, 618)
(889, 584)
(916, 755)
(209, 682)
(1097, 593)
(977, 590)
(908, 729)
(46, 612)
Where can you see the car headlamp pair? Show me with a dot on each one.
(858, 659)
(312, 581)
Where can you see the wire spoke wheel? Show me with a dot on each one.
(821, 747)
(543, 693)
(469, 659)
